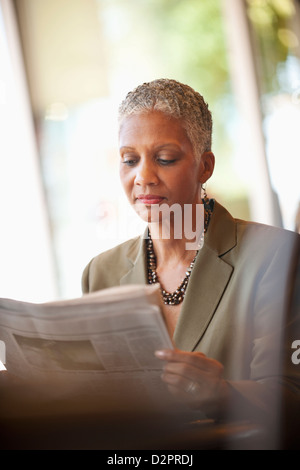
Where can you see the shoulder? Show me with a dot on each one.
(268, 249)
(225, 226)
(107, 268)
(125, 250)
(263, 238)
(240, 241)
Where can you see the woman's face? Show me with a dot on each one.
(158, 165)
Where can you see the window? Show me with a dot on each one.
(83, 57)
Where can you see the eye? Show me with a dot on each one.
(165, 162)
(129, 162)
(166, 157)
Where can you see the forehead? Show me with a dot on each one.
(151, 126)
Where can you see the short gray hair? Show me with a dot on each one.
(177, 100)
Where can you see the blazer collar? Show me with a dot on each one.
(221, 234)
(208, 281)
(137, 258)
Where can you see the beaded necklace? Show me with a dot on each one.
(176, 297)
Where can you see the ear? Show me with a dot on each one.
(206, 167)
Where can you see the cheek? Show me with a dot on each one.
(126, 179)
(187, 186)
(184, 181)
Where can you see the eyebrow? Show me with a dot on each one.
(158, 147)
(125, 147)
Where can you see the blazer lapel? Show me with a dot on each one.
(137, 259)
(208, 281)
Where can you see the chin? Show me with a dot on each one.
(149, 214)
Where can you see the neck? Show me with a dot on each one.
(173, 250)
(179, 234)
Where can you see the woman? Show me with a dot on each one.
(225, 300)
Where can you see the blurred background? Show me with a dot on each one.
(65, 65)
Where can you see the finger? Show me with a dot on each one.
(202, 371)
(198, 394)
(200, 381)
(183, 371)
(179, 386)
(186, 391)
(176, 355)
(196, 359)
(178, 381)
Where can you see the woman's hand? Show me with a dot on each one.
(193, 377)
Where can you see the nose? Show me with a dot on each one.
(146, 173)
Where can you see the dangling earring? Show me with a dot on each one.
(208, 207)
(204, 196)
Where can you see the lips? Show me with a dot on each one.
(150, 199)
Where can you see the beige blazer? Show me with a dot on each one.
(237, 300)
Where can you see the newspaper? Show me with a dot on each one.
(101, 344)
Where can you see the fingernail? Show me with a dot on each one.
(161, 354)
